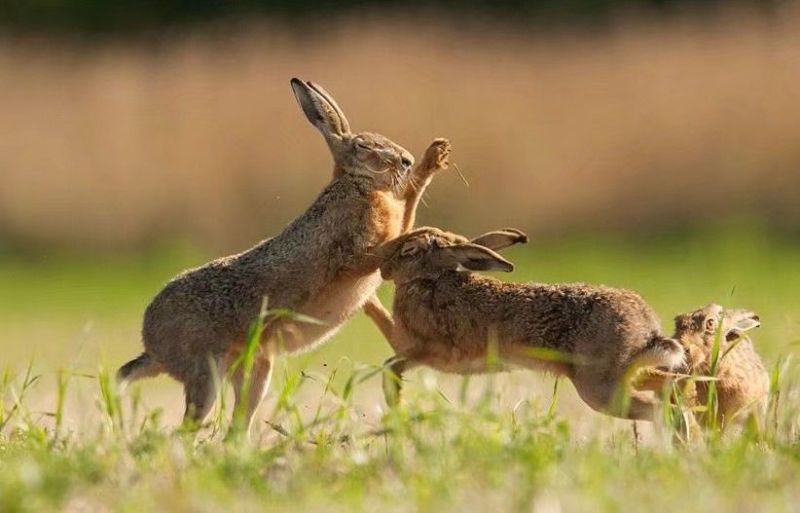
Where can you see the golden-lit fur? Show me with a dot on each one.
(742, 381)
(448, 318)
(321, 265)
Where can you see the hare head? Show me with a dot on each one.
(367, 154)
(702, 325)
(428, 252)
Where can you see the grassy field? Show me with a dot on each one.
(502, 442)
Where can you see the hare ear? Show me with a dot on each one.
(389, 248)
(740, 321)
(708, 318)
(321, 109)
(475, 258)
(501, 239)
(710, 324)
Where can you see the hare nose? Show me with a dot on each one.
(406, 162)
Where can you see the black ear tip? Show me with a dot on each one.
(523, 239)
(298, 87)
(509, 267)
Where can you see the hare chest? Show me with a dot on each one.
(332, 307)
(387, 216)
(342, 297)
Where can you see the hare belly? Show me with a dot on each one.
(333, 306)
(472, 359)
(468, 367)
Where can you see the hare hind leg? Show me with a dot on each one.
(640, 406)
(200, 390)
(630, 404)
(617, 399)
(201, 385)
(256, 389)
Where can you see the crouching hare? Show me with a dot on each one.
(742, 382)
(321, 265)
(447, 318)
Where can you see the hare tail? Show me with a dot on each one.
(143, 366)
(661, 352)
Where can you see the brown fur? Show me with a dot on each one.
(742, 381)
(448, 319)
(321, 265)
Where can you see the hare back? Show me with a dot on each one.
(467, 310)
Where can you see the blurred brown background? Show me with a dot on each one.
(196, 135)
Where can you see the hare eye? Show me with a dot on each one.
(409, 250)
(362, 146)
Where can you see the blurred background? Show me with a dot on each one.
(651, 144)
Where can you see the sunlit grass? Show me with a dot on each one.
(430, 454)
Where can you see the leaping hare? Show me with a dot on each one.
(321, 265)
(742, 382)
(446, 317)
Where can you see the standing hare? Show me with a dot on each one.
(448, 318)
(321, 265)
(742, 382)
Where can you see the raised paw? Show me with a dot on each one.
(436, 156)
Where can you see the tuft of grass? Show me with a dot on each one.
(18, 395)
(245, 362)
(110, 402)
(711, 413)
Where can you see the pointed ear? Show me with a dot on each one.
(741, 321)
(501, 239)
(388, 249)
(321, 109)
(475, 258)
(383, 255)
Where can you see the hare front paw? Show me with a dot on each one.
(436, 156)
